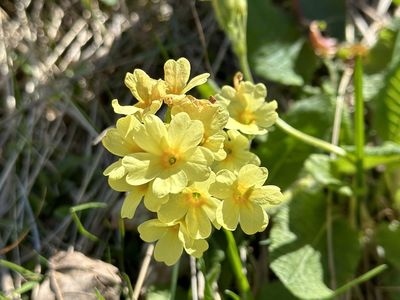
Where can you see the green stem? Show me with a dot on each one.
(365, 277)
(234, 260)
(359, 122)
(318, 143)
(358, 136)
(174, 280)
(244, 64)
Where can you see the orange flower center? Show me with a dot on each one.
(169, 159)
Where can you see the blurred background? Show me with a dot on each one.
(61, 64)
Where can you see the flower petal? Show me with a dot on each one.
(169, 248)
(184, 133)
(197, 164)
(198, 224)
(174, 209)
(151, 201)
(196, 81)
(152, 230)
(124, 109)
(120, 185)
(152, 136)
(251, 175)
(140, 84)
(115, 171)
(223, 185)
(176, 74)
(228, 214)
(172, 184)
(267, 195)
(253, 218)
(266, 116)
(140, 168)
(130, 204)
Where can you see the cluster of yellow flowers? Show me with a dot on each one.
(196, 171)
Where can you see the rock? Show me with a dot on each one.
(72, 275)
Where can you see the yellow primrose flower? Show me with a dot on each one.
(117, 180)
(237, 147)
(243, 198)
(119, 140)
(149, 92)
(171, 240)
(248, 111)
(172, 155)
(195, 205)
(176, 77)
(214, 119)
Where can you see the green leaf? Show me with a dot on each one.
(386, 154)
(296, 264)
(274, 43)
(299, 247)
(320, 167)
(388, 236)
(387, 115)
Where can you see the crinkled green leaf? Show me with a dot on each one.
(299, 247)
(297, 265)
(274, 43)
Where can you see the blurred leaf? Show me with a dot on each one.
(388, 236)
(109, 2)
(319, 166)
(383, 56)
(282, 152)
(299, 248)
(383, 53)
(28, 274)
(387, 103)
(275, 290)
(307, 62)
(333, 12)
(346, 251)
(390, 282)
(274, 43)
(386, 154)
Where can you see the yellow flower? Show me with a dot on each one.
(176, 77)
(172, 155)
(171, 240)
(195, 205)
(247, 108)
(214, 119)
(243, 198)
(237, 147)
(148, 91)
(119, 140)
(116, 173)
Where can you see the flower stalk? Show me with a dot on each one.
(234, 259)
